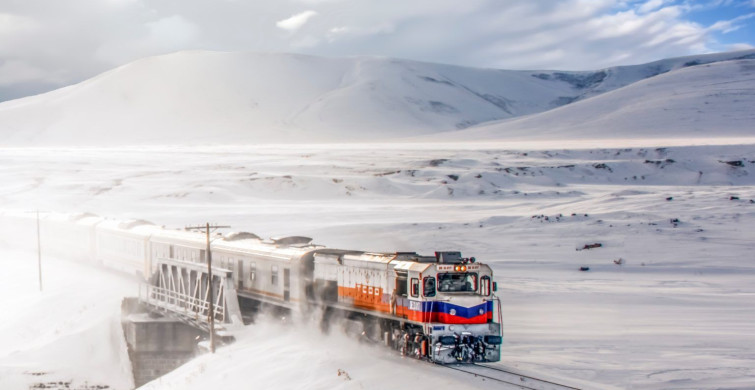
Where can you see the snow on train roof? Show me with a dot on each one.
(179, 234)
(243, 242)
(89, 219)
(85, 219)
(405, 261)
(291, 240)
(411, 257)
(136, 227)
(236, 236)
(371, 257)
(119, 224)
(287, 246)
(62, 217)
(403, 265)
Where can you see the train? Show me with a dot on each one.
(440, 307)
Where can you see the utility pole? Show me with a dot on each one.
(39, 254)
(211, 311)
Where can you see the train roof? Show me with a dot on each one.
(243, 242)
(235, 236)
(400, 261)
(291, 241)
(281, 248)
(172, 235)
(85, 219)
(137, 227)
(401, 265)
(412, 257)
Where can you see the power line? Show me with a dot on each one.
(39, 254)
(211, 311)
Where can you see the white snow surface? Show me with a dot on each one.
(713, 100)
(69, 332)
(225, 98)
(677, 313)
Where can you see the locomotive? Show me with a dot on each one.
(440, 307)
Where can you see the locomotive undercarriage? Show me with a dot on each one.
(439, 343)
(465, 343)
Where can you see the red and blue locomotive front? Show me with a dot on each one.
(454, 302)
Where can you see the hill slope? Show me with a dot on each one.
(210, 97)
(703, 101)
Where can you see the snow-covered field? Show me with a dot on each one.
(676, 313)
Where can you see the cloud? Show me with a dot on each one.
(66, 42)
(325, 1)
(167, 34)
(650, 5)
(12, 24)
(295, 22)
(740, 46)
(11, 27)
(727, 26)
(16, 71)
(172, 32)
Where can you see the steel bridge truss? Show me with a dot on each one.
(180, 288)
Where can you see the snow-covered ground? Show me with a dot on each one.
(69, 332)
(676, 313)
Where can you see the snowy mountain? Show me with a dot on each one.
(221, 98)
(703, 101)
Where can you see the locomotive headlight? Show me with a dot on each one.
(463, 268)
(452, 312)
(482, 311)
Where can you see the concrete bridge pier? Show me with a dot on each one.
(156, 345)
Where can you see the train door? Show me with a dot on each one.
(240, 274)
(286, 284)
(400, 302)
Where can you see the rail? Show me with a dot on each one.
(521, 381)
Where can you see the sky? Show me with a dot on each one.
(47, 44)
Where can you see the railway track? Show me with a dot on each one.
(501, 375)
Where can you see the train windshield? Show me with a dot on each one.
(457, 282)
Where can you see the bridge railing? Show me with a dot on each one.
(183, 289)
(182, 304)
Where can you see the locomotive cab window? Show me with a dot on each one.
(485, 285)
(429, 287)
(457, 282)
(274, 276)
(401, 286)
(415, 287)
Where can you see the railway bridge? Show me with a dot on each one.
(193, 301)
(181, 289)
